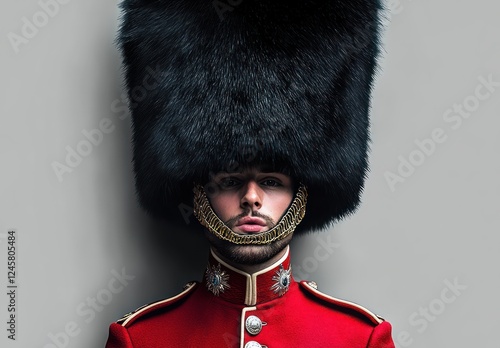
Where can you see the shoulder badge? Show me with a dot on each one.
(128, 318)
(312, 288)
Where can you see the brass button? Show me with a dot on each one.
(253, 325)
(252, 344)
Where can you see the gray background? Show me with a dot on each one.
(397, 255)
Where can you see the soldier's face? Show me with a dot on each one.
(250, 202)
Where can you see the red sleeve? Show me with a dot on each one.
(381, 337)
(118, 337)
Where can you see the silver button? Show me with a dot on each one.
(252, 344)
(253, 325)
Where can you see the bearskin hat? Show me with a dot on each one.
(215, 85)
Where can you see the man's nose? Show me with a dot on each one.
(251, 196)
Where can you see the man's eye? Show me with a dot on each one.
(228, 183)
(271, 182)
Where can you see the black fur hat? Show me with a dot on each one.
(214, 85)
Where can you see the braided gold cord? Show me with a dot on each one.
(287, 224)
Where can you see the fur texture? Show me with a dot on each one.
(285, 83)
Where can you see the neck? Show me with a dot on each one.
(231, 283)
(252, 268)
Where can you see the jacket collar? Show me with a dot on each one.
(236, 286)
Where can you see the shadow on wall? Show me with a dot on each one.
(181, 251)
(159, 258)
(169, 256)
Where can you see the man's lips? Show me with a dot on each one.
(250, 224)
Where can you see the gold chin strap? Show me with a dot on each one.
(207, 217)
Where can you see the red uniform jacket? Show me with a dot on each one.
(234, 309)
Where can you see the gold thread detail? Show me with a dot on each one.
(287, 224)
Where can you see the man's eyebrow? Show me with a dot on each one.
(223, 175)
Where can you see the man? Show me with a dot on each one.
(250, 202)
(254, 118)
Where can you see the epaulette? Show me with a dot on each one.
(312, 288)
(129, 318)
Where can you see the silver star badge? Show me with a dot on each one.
(282, 279)
(216, 279)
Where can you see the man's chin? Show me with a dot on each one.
(247, 254)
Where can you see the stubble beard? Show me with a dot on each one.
(247, 254)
